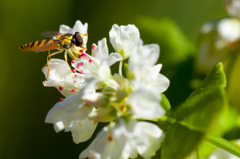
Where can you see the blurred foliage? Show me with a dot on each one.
(196, 115)
(24, 100)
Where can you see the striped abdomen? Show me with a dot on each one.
(35, 45)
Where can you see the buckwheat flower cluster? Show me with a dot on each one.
(127, 100)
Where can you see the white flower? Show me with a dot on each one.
(98, 65)
(101, 53)
(216, 42)
(123, 38)
(233, 7)
(147, 82)
(125, 139)
(72, 113)
(78, 27)
(229, 29)
(61, 77)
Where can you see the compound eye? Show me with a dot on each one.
(78, 40)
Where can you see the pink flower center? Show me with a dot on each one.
(74, 70)
(81, 71)
(60, 88)
(93, 47)
(79, 65)
(61, 99)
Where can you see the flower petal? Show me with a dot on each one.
(113, 58)
(101, 52)
(123, 38)
(144, 104)
(124, 140)
(83, 131)
(60, 76)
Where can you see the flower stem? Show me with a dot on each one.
(224, 144)
(120, 67)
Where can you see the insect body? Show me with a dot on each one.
(63, 42)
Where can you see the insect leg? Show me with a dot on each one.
(65, 56)
(48, 59)
(71, 54)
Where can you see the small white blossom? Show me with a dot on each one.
(61, 77)
(103, 97)
(147, 82)
(125, 139)
(123, 38)
(72, 113)
(233, 7)
(229, 29)
(217, 40)
(98, 65)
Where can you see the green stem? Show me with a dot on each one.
(224, 144)
(120, 67)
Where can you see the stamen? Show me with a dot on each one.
(75, 75)
(110, 137)
(60, 88)
(74, 70)
(79, 65)
(81, 51)
(90, 60)
(73, 61)
(93, 47)
(81, 71)
(73, 90)
(61, 99)
(82, 55)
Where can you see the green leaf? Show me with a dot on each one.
(180, 141)
(167, 107)
(203, 106)
(200, 112)
(196, 116)
(215, 79)
(224, 144)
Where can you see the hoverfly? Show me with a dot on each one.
(62, 42)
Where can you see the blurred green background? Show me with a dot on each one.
(25, 102)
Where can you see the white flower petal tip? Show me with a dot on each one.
(78, 27)
(123, 38)
(113, 58)
(125, 140)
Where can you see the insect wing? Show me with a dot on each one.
(49, 45)
(50, 33)
(68, 34)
